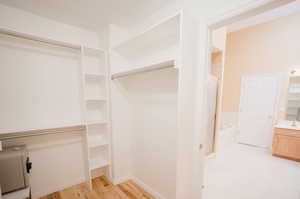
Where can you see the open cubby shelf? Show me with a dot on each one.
(95, 107)
(97, 141)
(96, 163)
(96, 100)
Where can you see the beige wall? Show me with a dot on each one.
(266, 48)
(216, 64)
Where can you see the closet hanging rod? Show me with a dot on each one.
(32, 133)
(39, 39)
(153, 67)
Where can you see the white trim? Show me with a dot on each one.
(122, 179)
(143, 185)
(265, 17)
(245, 11)
(147, 188)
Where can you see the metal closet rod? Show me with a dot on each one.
(32, 133)
(154, 67)
(39, 39)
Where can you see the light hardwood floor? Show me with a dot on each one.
(102, 189)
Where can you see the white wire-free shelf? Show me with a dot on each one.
(95, 100)
(97, 143)
(96, 122)
(94, 75)
(96, 163)
(94, 50)
(166, 29)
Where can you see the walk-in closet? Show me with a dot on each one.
(107, 109)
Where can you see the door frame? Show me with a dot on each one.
(241, 12)
(196, 40)
(217, 80)
(278, 77)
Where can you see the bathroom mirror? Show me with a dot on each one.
(293, 97)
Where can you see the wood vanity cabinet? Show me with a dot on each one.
(286, 144)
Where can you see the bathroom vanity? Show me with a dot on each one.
(286, 142)
(286, 138)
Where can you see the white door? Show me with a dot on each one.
(259, 96)
(211, 112)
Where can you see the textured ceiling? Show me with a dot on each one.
(274, 14)
(90, 14)
(96, 14)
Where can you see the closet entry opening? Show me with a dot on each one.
(145, 66)
(150, 101)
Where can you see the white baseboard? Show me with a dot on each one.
(147, 188)
(121, 179)
(39, 193)
(143, 185)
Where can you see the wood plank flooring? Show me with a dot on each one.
(102, 189)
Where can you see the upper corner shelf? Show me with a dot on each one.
(167, 30)
(89, 50)
(94, 75)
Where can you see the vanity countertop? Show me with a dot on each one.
(284, 126)
(288, 125)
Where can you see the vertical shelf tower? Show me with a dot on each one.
(96, 112)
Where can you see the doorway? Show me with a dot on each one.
(257, 113)
(251, 99)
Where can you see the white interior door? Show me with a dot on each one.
(211, 112)
(259, 96)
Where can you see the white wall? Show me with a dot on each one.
(154, 138)
(219, 38)
(121, 132)
(144, 130)
(39, 86)
(25, 22)
(40, 89)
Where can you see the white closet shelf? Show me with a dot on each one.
(97, 143)
(39, 39)
(95, 100)
(96, 122)
(294, 92)
(94, 75)
(98, 163)
(157, 66)
(166, 29)
(97, 50)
